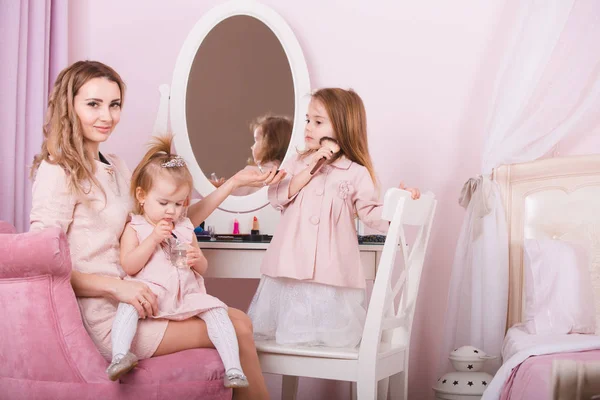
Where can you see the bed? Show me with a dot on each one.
(555, 199)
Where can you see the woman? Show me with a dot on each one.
(87, 194)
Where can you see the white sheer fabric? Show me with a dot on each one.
(547, 87)
(294, 312)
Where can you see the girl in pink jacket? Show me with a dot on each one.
(313, 288)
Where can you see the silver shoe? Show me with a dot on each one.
(122, 366)
(235, 380)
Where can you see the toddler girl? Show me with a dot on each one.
(161, 185)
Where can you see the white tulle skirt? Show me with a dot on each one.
(294, 312)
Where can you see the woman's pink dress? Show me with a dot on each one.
(94, 223)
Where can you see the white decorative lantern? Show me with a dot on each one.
(467, 382)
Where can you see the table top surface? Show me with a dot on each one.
(240, 245)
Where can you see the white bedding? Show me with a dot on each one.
(517, 339)
(520, 345)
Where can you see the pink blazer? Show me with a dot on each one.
(315, 239)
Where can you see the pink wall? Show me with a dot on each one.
(421, 68)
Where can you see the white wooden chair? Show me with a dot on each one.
(381, 360)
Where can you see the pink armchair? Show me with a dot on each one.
(45, 352)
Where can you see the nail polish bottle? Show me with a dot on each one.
(236, 227)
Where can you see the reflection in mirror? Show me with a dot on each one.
(240, 72)
(271, 136)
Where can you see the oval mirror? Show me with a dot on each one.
(240, 62)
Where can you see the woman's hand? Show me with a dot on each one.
(415, 193)
(254, 178)
(194, 254)
(138, 295)
(217, 182)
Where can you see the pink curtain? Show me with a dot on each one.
(33, 50)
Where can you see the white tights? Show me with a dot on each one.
(123, 330)
(218, 324)
(222, 335)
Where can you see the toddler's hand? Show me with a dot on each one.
(193, 255)
(415, 193)
(162, 230)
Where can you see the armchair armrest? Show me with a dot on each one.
(31, 254)
(7, 227)
(43, 337)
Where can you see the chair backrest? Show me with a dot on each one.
(392, 305)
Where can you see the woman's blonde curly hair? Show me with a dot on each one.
(63, 136)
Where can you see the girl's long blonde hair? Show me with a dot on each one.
(63, 136)
(152, 165)
(348, 117)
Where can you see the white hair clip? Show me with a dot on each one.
(176, 161)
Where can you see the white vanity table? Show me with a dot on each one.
(242, 260)
(240, 61)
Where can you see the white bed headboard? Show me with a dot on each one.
(557, 198)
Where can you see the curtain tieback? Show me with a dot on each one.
(478, 191)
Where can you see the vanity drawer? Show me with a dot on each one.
(245, 263)
(369, 261)
(230, 263)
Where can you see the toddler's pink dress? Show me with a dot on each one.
(181, 291)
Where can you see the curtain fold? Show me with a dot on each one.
(33, 50)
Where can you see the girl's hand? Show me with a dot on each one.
(138, 295)
(254, 178)
(194, 254)
(415, 193)
(162, 231)
(323, 152)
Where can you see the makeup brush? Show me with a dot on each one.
(329, 143)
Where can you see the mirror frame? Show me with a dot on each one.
(183, 66)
